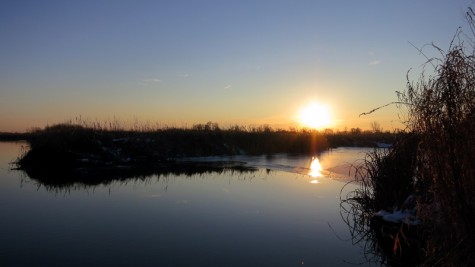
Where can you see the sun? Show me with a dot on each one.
(315, 115)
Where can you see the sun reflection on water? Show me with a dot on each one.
(315, 170)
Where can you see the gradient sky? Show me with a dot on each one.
(232, 62)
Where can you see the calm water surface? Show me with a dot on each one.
(284, 217)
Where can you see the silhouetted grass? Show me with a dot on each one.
(386, 178)
(442, 113)
(430, 170)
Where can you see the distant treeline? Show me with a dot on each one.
(14, 136)
(200, 140)
(283, 141)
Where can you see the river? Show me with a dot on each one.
(286, 213)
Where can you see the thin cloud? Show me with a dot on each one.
(184, 75)
(227, 86)
(371, 53)
(374, 62)
(147, 82)
(152, 80)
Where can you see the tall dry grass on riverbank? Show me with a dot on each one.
(442, 113)
(386, 178)
(430, 171)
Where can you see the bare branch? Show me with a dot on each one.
(378, 108)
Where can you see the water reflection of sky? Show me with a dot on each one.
(259, 219)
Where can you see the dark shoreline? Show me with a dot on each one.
(11, 137)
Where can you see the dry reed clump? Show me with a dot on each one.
(435, 163)
(386, 184)
(442, 113)
(387, 175)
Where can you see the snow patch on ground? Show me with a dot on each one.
(399, 216)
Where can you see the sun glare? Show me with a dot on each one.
(315, 115)
(315, 168)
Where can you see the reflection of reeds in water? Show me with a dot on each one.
(433, 166)
(68, 181)
(72, 181)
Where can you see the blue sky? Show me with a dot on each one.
(232, 62)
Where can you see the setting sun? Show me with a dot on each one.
(315, 115)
